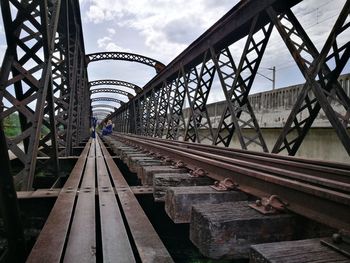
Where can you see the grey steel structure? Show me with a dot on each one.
(157, 110)
(103, 106)
(111, 90)
(158, 66)
(107, 99)
(42, 76)
(44, 83)
(115, 82)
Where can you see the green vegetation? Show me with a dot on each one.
(12, 126)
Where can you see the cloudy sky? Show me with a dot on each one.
(161, 29)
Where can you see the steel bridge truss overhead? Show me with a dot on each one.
(42, 75)
(115, 82)
(158, 66)
(103, 106)
(107, 99)
(96, 110)
(111, 90)
(158, 110)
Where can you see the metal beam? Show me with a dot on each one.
(230, 28)
(107, 99)
(100, 111)
(112, 90)
(326, 201)
(103, 106)
(115, 82)
(158, 66)
(31, 81)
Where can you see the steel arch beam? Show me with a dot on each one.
(101, 110)
(107, 99)
(158, 66)
(103, 106)
(112, 90)
(115, 82)
(101, 114)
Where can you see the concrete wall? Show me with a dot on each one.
(272, 109)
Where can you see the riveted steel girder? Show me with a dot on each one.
(107, 99)
(115, 82)
(109, 90)
(183, 78)
(158, 66)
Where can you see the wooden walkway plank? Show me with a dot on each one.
(40, 193)
(115, 242)
(148, 243)
(53, 234)
(81, 246)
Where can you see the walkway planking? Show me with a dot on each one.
(86, 222)
(54, 232)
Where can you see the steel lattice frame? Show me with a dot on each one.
(162, 112)
(23, 82)
(107, 90)
(93, 106)
(158, 66)
(107, 99)
(176, 122)
(42, 37)
(198, 85)
(44, 47)
(191, 75)
(101, 110)
(115, 82)
(326, 90)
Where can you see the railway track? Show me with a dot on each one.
(317, 190)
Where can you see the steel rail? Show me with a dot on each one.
(322, 169)
(282, 172)
(321, 202)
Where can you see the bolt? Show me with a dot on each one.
(337, 238)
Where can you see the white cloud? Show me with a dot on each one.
(114, 47)
(96, 14)
(107, 44)
(102, 42)
(152, 17)
(111, 31)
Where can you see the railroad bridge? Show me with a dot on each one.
(158, 188)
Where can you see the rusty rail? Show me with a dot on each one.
(322, 198)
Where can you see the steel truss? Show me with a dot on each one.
(42, 73)
(101, 110)
(115, 82)
(106, 90)
(326, 90)
(107, 99)
(44, 47)
(94, 106)
(158, 109)
(158, 66)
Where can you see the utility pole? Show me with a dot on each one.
(273, 80)
(273, 77)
